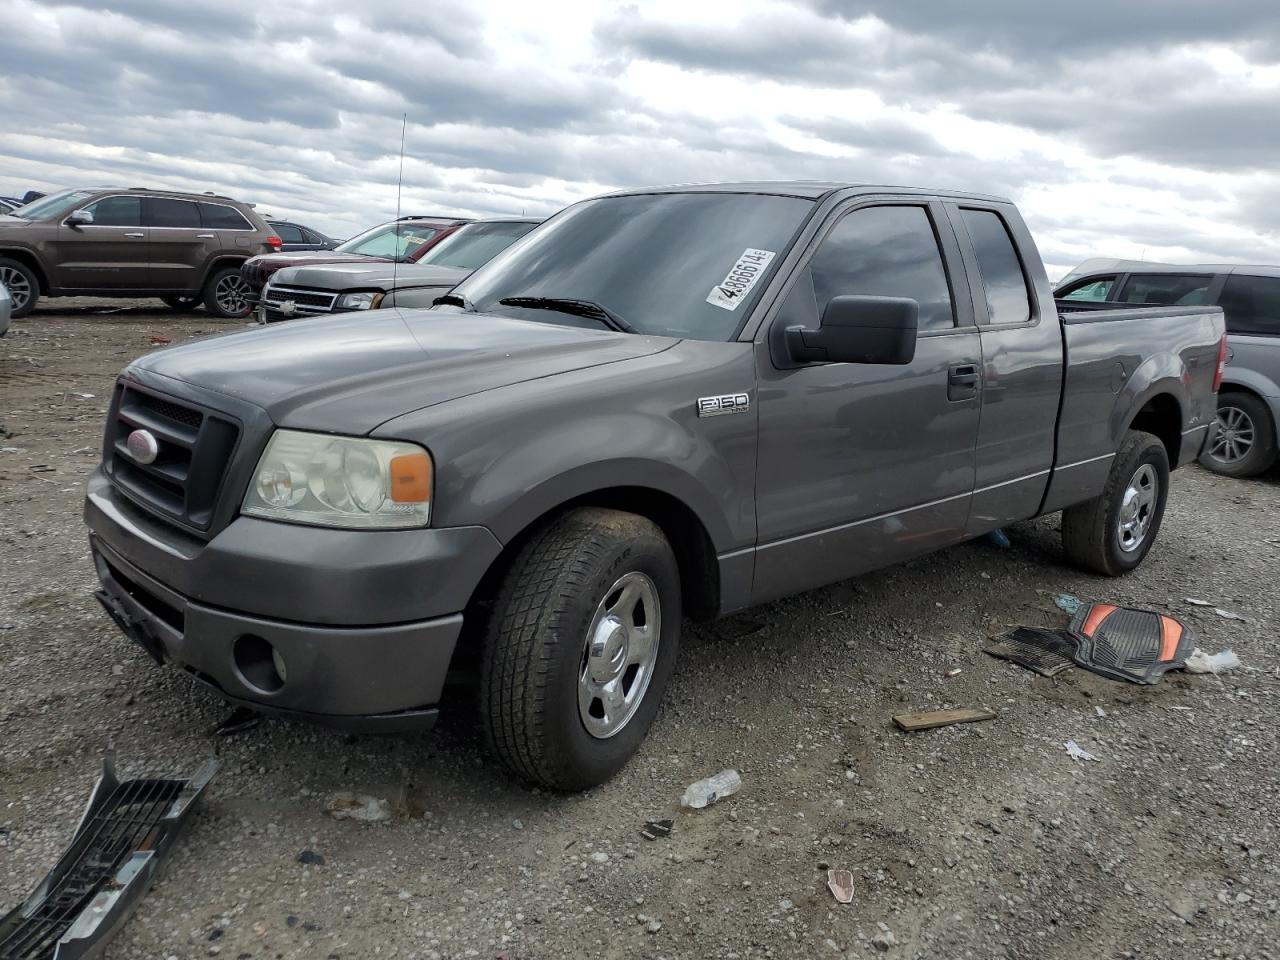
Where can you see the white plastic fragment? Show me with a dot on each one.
(1198, 603)
(1075, 752)
(1228, 615)
(1220, 662)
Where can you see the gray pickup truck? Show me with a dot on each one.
(660, 403)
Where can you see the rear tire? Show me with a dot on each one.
(1245, 444)
(182, 304)
(23, 286)
(568, 622)
(227, 295)
(1113, 533)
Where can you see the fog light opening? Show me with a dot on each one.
(260, 665)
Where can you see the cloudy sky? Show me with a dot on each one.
(1122, 128)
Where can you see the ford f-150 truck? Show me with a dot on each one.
(660, 403)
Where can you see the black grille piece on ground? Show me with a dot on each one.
(194, 452)
(1046, 652)
(1127, 644)
(126, 829)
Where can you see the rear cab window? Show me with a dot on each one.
(1005, 285)
(1252, 304)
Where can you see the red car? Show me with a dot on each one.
(406, 240)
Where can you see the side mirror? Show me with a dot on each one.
(79, 218)
(859, 330)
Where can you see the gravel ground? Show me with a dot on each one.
(983, 840)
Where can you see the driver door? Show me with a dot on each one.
(112, 253)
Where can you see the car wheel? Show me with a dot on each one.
(227, 295)
(1245, 444)
(580, 644)
(1112, 533)
(182, 304)
(24, 289)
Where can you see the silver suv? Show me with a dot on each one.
(1249, 401)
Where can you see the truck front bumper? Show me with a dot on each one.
(281, 645)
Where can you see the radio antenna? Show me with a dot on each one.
(395, 263)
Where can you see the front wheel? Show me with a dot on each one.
(1112, 533)
(24, 289)
(1245, 444)
(227, 295)
(580, 644)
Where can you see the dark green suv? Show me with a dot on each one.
(132, 242)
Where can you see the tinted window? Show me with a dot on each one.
(311, 236)
(1167, 289)
(1096, 289)
(117, 212)
(288, 233)
(1008, 300)
(885, 252)
(1252, 304)
(163, 212)
(675, 264)
(476, 244)
(223, 217)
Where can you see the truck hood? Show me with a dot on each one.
(351, 372)
(368, 276)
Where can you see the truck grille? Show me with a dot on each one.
(195, 448)
(306, 303)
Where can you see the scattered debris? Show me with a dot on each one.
(654, 829)
(1228, 615)
(1220, 662)
(955, 672)
(999, 538)
(929, 719)
(840, 883)
(1068, 603)
(351, 806)
(1198, 603)
(237, 721)
(708, 791)
(159, 341)
(1099, 711)
(885, 939)
(1124, 643)
(86, 897)
(1075, 752)
(1046, 652)
(83, 396)
(310, 858)
(599, 857)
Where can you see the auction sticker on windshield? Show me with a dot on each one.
(733, 289)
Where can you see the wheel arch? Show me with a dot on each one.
(30, 260)
(1161, 414)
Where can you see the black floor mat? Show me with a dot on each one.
(1046, 652)
(1128, 644)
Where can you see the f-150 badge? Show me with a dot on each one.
(728, 403)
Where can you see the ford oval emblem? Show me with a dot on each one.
(143, 446)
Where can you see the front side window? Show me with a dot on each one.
(1093, 290)
(221, 217)
(885, 252)
(673, 264)
(1167, 289)
(475, 244)
(391, 241)
(166, 212)
(1005, 285)
(1252, 304)
(53, 206)
(117, 212)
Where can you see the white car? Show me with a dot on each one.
(6, 308)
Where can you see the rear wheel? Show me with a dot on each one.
(226, 294)
(20, 280)
(1245, 444)
(182, 304)
(580, 645)
(1112, 533)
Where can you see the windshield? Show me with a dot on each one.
(476, 244)
(674, 264)
(53, 206)
(393, 241)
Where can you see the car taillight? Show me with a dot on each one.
(1222, 363)
(274, 243)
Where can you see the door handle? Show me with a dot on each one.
(962, 381)
(205, 236)
(138, 235)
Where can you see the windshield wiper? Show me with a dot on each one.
(577, 308)
(454, 300)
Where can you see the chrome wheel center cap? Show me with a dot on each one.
(609, 648)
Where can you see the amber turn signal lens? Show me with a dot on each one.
(411, 478)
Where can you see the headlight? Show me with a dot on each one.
(341, 482)
(365, 300)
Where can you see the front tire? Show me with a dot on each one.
(227, 295)
(580, 645)
(1113, 533)
(22, 284)
(1245, 444)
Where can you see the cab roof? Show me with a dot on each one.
(804, 189)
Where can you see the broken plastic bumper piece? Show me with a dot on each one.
(126, 829)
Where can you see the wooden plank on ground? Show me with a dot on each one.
(939, 718)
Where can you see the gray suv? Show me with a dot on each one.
(131, 242)
(1249, 401)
